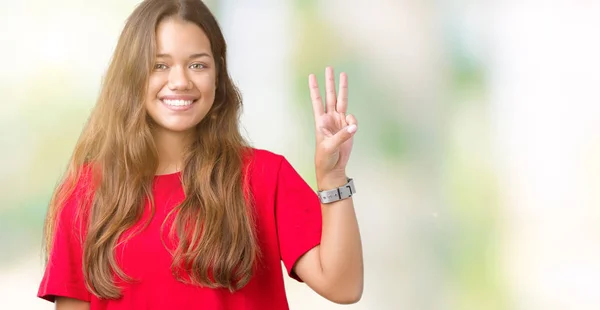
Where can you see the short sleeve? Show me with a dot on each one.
(63, 275)
(298, 216)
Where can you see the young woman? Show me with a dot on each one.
(165, 206)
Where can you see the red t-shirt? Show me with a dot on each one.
(288, 221)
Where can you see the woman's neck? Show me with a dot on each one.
(171, 148)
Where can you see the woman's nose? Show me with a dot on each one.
(178, 79)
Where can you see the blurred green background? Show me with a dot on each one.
(476, 160)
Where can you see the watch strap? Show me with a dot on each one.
(336, 194)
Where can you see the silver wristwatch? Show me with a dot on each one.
(339, 193)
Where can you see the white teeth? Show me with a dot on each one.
(178, 103)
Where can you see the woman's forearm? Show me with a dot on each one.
(341, 249)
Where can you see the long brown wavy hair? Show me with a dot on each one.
(214, 224)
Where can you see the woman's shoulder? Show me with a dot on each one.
(86, 177)
(78, 187)
(263, 164)
(262, 156)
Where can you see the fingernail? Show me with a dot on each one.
(352, 128)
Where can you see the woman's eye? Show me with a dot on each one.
(160, 67)
(197, 66)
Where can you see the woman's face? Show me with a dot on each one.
(182, 85)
